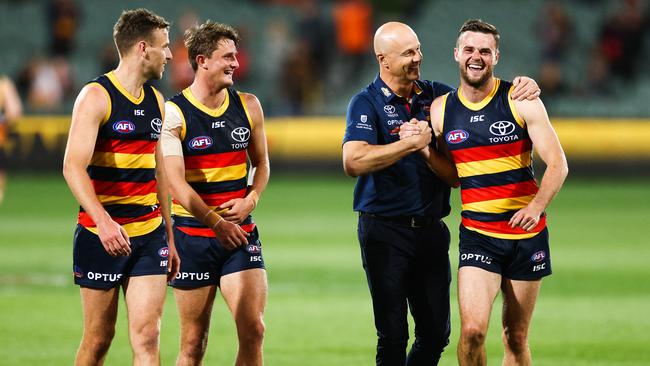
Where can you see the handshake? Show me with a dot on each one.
(418, 132)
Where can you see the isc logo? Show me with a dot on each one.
(456, 136)
(200, 143)
(477, 118)
(124, 127)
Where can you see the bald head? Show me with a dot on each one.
(392, 36)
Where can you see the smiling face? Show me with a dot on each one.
(157, 53)
(398, 51)
(476, 54)
(221, 64)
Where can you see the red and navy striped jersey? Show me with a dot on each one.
(214, 152)
(492, 151)
(122, 168)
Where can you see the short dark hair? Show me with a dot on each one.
(135, 25)
(477, 25)
(204, 39)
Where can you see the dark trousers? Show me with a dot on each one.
(407, 266)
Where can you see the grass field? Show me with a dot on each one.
(592, 311)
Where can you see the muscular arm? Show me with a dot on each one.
(549, 149)
(438, 158)
(258, 154)
(162, 192)
(89, 110)
(229, 234)
(360, 157)
(440, 161)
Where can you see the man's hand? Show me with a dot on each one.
(418, 130)
(173, 262)
(525, 88)
(527, 218)
(114, 238)
(230, 235)
(238, 209)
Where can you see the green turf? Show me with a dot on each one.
(592, 311)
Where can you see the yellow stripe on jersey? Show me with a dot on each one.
(179, 210)
(111, 76)
(233, 172)
(442, 112)
(142, 200)
(123, 161)
(212, 112)
(137, 228)
(511, 103)
(492, 166)
(503, 236)
(499, 205)
(478, 106)
(248, 115)
(110, 105)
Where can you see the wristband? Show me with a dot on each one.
(214, 227)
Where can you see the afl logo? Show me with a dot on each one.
(538, 257)
(456, 136)
(156, 124)
(502, 128)
(200, 143)
(240, 134)
(163, 252)
(253, 249)
(124, 127)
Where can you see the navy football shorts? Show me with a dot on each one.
(523, 259)
(94, 267)
(204, 260)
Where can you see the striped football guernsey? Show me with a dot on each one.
(214, 151)
(492, 151)
(122, 168)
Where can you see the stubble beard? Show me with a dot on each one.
(475, 83)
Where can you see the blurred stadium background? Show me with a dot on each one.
(304, 59)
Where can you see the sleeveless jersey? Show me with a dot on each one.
(214, 151)
(122, 168)
(492, 151)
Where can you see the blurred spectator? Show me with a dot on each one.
(353, 31)
(10, 111)
(242, 73)
(297, 80)
(46, 83)
(621, 39)
(63, 18)
(556, 31)
(276, 47)
(108, 57)
(182, 74)
(316, 31)
(598, 81)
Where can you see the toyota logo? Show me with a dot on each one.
(389, 109)
(156, 124)
(502, 128)
(240, 134)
